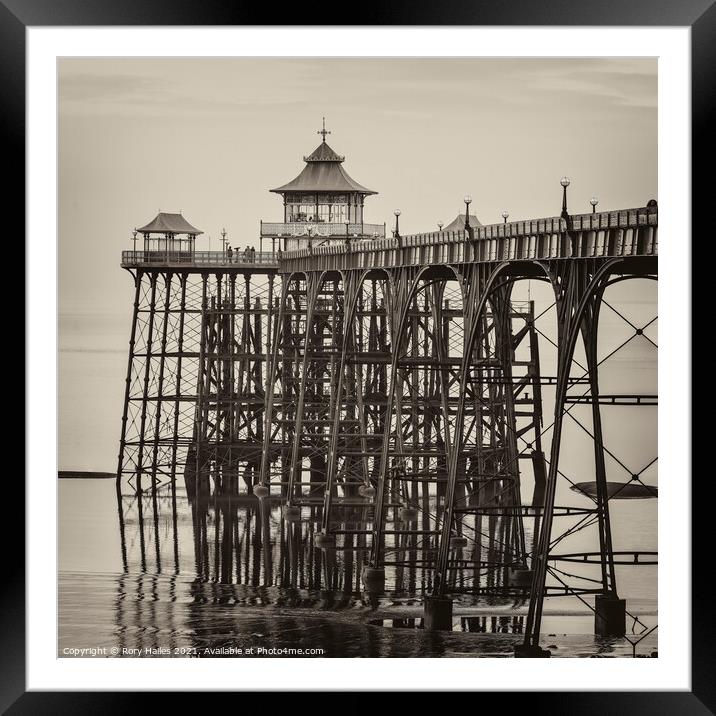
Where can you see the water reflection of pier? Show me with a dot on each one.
(185, 559)
(229, 540)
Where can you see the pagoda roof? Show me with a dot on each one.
(164, 223)
(458, 223)
(323, 172)
(323, 153)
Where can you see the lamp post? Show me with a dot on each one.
(440, 225)
(564, 181)
(505, 216)
(567, 247)
(468, 200)
(396, 231)
(134, 238)
(223, 240)
(594, 201)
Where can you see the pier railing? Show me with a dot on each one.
(197, 258)
(317, 229)
(614, 233)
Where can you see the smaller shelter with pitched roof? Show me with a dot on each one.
(169, 237)
(458, 223)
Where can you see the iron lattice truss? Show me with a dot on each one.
(397, 414)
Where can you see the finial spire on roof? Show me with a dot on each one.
(323, 131)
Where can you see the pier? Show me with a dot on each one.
(389, 394)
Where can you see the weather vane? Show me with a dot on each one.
(323, 131)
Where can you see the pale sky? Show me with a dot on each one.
(210, 137)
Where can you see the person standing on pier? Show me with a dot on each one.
(253, 255)
(229, 252)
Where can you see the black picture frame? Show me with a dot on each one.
(699, 15)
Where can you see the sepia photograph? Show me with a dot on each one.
(357, 357)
